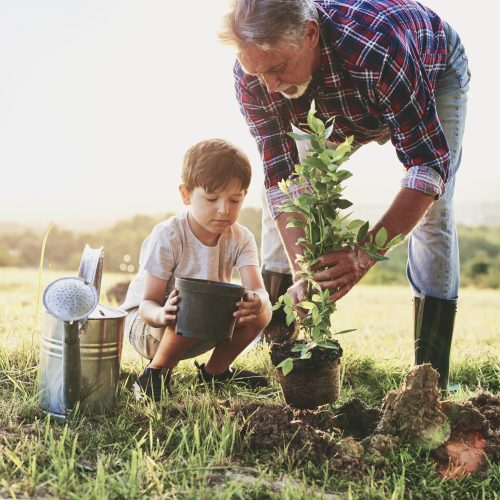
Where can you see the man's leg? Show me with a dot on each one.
(433, 268)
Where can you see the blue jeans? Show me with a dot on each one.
(433, 267)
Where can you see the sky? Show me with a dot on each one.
(99, 100)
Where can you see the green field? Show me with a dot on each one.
(192, 446)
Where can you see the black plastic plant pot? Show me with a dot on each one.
(206, 308)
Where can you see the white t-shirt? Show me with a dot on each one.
(173, 250)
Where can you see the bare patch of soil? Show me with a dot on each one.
(356, 419)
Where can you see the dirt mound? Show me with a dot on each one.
(354, 436)
(475, 433)
(308, 435)
(413, 412)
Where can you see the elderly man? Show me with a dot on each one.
(386, 69)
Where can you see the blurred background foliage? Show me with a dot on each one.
(479, 250)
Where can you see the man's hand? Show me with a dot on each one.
(298, 291)
(340, 271)
(248, 308)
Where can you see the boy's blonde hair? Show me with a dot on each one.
(213, 163)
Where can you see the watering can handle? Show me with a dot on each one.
(91, 266)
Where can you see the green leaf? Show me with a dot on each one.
(305, 304)
(327, 345)
(287, 299)
(316, 317)
(355, 224)
(342, 175)
(341, 203)
(316, 145)
(277, 306)
(306, 355)
(345, 331)
(363, 231)
(286, 366)
(301, 137)
(298, 347)
(297, 223)
(312, 161)
(316, 297)
(375, 255)
(381, 237)
(324, 158)
(283, 186)
(395, 241)
(290, 318)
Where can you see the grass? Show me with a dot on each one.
(192, 446)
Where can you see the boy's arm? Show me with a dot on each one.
(258, 306)
(151, 307)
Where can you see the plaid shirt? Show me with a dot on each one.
(380, 62)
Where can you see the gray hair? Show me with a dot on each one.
(266, 23)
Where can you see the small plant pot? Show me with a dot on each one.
(206, 308)
(313, 382)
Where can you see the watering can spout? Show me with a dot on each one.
(71, 360)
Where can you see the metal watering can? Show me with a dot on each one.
(81, 343)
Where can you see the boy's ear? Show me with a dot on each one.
(185, 194)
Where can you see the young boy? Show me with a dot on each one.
(204, 242)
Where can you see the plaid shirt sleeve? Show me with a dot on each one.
(408, 106)
(269, 125)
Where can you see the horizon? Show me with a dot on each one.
(96, 93)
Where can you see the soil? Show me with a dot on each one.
(308, 435)
(312, 382)
(354, 437)
(475, 432)
(356, 419)
(320, 355)
(413, 412)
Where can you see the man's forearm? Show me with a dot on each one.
(407, 208)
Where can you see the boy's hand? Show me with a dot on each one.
(168, 311)
(248, 308)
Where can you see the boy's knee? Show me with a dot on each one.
(253, 329)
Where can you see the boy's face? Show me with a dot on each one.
(213, 213)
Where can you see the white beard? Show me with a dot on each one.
(298, 93)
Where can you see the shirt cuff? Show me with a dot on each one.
(424, 179)
(276, 197)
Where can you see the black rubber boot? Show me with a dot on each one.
(434, 322)
(150, 384)
(276, 285)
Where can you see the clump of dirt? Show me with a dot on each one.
(413, 413)
(379, 446)
(475, 432)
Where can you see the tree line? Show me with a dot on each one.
(479, 250)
